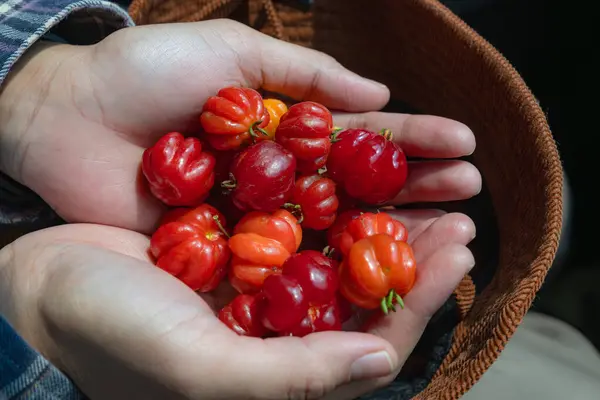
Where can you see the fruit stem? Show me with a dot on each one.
(229, 184)
(387, 134)
(334, 137)
(328, 251)
(384, 306)
(254, 127)
(322, 171)
(387, 302)
(296, 211)
(400, 301)
(335, 133)
(220, 225)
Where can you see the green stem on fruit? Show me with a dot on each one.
(384, 307)
(400, 301)
(387, 303)
(328, 251)
(229, 184)
(220, 225)
(296, 211)
(254, 127)
(322, 171)
(390, 297)
(387, 134)
(335, 132)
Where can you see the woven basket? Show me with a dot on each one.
(438, 65)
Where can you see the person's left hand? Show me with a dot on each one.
(89, 299)
(74, 120)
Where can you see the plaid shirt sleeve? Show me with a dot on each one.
(24, 373)
(23, 22)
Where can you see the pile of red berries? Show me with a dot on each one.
(301, 253)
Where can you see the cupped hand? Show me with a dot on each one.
(88, 298)
(74, 120)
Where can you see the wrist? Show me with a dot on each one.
(24, 270)
(34, 83)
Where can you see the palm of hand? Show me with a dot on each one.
(122, 95)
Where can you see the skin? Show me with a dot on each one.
(74, 121)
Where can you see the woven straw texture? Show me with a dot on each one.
(438, 65)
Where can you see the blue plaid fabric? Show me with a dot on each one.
(23, 22)
(24, 374)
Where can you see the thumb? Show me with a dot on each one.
(304, 368)
(306, 74)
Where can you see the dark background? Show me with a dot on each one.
(552, 45)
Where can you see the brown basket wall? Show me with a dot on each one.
(440, 66)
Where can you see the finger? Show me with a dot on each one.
(437, 277)
(437, 181)
(453, 228)
(301, 368)
(306, 74)
(418, 135)
(416, 221)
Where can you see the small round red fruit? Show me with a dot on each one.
(303, 299)
(315, 272)
(192, 246)
(234, 110)
(305, 130)
(369, 224)
(334, 233)
(178, 170)
(243, 316)
(261, 177)
(234, 118)
(367, 165)
(377, 272)
(285, 303)
(315, 199)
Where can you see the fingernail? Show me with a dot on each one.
(473, 235)
(377, 83)
(374, 365)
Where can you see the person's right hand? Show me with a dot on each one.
(89, 299)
